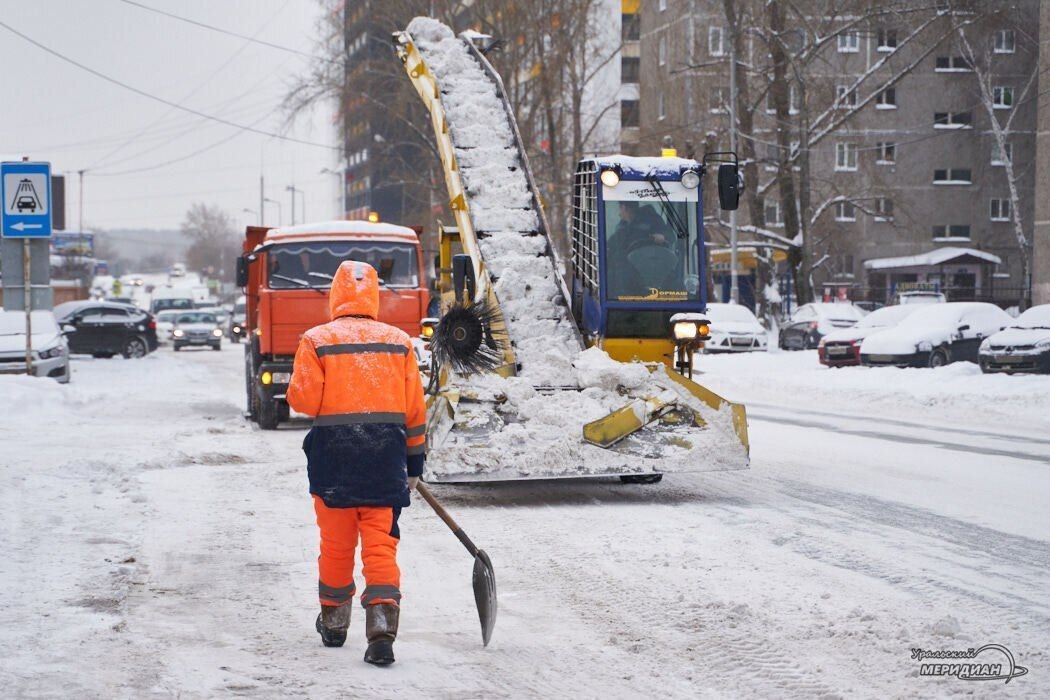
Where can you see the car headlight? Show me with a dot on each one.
(236, 329)
(924, 346)
(217, 332)
(177, 333)
(820, 345)
(985, 345)
(1043, 344)
(690, 179)
(56, 351)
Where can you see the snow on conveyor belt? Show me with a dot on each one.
(500, 201)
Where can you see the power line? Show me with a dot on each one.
(200, 85)
(227, 32)
(143, 93)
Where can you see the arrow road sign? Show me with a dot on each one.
(25, 190)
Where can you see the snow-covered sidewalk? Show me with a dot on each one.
(156, 544)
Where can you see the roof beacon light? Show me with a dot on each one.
(690, 179)
(373, 217)
(610, 178)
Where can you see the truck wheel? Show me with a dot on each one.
(251, 399)
(268, 417)
(642, 478)
(283, 411)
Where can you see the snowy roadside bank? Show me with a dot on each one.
(958, 392)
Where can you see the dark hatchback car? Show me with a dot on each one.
(105, 329)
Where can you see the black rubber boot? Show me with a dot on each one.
(381, 629)
(332, 623)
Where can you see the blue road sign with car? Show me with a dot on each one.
(26, 191)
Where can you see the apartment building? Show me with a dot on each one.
(903, 159)
(1041, 234)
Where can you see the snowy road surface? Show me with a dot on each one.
(156, 545)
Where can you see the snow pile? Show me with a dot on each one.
(500, 200)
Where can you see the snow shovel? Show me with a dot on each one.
(484, 576)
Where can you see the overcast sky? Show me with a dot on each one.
(54, 111)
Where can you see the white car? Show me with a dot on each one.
(935, 335)
(811, 322)
(50, 350)
(841, 347)
(165, 324)
(1023, 347)
(733, 329)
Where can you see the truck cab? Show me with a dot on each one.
(287, 273)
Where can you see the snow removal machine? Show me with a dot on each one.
(534, 378)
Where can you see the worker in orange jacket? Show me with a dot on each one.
(358, 378)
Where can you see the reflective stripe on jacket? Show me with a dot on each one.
(358, 378)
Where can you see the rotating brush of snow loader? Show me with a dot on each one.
(514, 392)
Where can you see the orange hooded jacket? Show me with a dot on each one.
(359, 379)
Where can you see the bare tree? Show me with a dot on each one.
(215, 241)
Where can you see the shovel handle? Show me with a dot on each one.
(444, 515)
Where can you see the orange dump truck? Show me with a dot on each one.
(286, 274)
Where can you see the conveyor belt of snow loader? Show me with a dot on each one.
(529, 426)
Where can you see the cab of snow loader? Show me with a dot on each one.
(638, 253)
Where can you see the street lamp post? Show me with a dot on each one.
(293, 189)
(280, 215)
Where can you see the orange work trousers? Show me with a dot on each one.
(341, 528)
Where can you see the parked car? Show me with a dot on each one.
(841, 347)
(196, 328)
(104, 329)
(1023, 347)
(165, 322)
(734, 329)
(811, 322)
(921, 297)
(50, 349)
(935, 335)
(237, 320)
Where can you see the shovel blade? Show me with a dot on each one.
(485, 594)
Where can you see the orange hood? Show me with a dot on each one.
(355, 290)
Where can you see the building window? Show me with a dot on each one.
(887, 40)
(1004, 41)
(629, 114)
(849, 42)
(662, 50)
(719, 100)
(845, 211)
(792, 101)
(997, 155)
(630, 67)
(1002, 97)
(884, 209)
(773, 217)
(1000, 210)
(631, 27)
(845, 97)
(661, 107)
(950, 233)
(715, 41)
(952, 64)
(952, 120)
(952, 176)
(772, 153)
(887, 153)
(662, 5)
(887, 99)
(845, 157)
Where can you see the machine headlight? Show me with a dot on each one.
(686, 330)
(217, 332)
(266, 378)
(427, 327)
(690, 179)
(177, 333)
(236, 329)
(610, 178)
(282, 377)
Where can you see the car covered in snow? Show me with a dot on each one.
(165, 323)
(935, 335)
(104, 329)
(196, 328)
(1023, 347)
(733, 329)
(811, 322)
(50, 349)
(841, 347)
